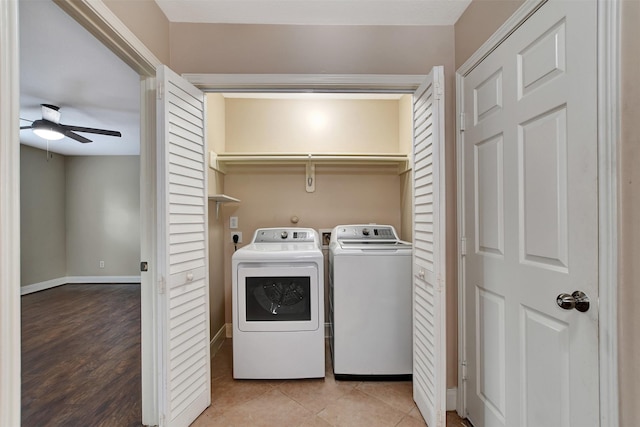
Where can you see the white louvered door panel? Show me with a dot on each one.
(429, 368)
(182, 242)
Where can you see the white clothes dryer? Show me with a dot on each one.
(278, 306)
(370, 290)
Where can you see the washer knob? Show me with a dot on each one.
(284, 234)
(365, 231)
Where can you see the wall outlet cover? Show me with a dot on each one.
(239, 234)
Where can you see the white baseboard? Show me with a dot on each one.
(103, 279)
(48, 284)
(217, 340)
(229, 330)
(452, 399)
(41, 286)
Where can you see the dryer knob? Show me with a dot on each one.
(365, 231)
(284, 234)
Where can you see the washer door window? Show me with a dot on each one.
(278, 298)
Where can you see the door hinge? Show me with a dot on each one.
(462, 122)
(160, 91)
(463, 370)
(437, 91)
(161, 285)
(463, 246)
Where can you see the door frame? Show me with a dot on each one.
(608, 63)
(9, 214)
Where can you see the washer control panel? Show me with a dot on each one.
(365, 232)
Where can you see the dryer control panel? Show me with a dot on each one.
(277, 235)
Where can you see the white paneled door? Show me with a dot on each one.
(429, 341)
(531, 222)
(184, 360)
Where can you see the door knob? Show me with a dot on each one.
(578, 300)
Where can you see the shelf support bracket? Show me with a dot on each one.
(310, 176)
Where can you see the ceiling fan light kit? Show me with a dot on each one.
(46, 131)
(50, 128)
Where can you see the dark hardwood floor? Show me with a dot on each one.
(81, 356)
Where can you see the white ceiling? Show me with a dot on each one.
(316, 12)
(62, 64)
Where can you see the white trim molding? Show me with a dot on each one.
(103, 279)
(405, 83)
(609, 128)
(510, 25)
(217, 340)
(100, 21)
(452, 399)
(41, 286)
(89, 280)
(228, 327)
(10, 380)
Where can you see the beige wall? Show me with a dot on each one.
(478, 22)
(103, 215)
(292, 49)
(147, 21)
(312, 125)
(629, 243)
(42, 216)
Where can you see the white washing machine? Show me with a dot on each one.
(278, 306)
(370, 303)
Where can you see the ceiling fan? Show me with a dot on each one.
(50, 128)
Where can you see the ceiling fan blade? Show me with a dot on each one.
(92, 130)
(25, 127)
(75, 136)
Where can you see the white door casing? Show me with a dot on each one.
(10, 380)
(429, 338)
(530, 220)
(184, 359)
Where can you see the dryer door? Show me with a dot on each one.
(282, 297)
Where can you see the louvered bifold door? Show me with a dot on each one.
(185, 387)
(429, 368)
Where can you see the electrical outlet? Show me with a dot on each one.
(233, 222)
(101, 264)
(236, 233)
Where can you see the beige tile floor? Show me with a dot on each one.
(309, 403)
